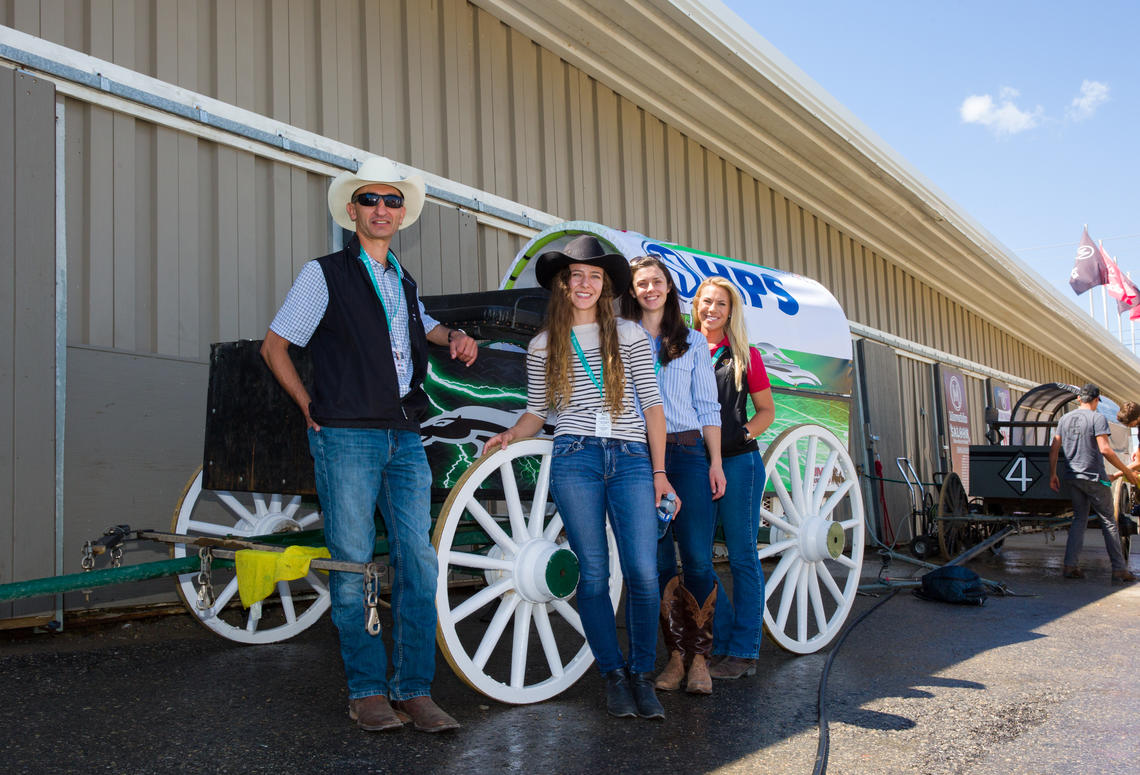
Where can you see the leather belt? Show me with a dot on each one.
(685, 438)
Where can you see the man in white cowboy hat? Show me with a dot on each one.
(358, 312)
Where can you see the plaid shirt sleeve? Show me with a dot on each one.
(304, 306)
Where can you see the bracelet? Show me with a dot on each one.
(455, 331)
(659, 471)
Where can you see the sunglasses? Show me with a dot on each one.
(371, 199)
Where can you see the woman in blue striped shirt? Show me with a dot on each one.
(594, 369)
(692, 419)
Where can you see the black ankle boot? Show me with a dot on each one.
(648, 706)
(619, 697)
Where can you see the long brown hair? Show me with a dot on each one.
(674, 332)
(559, 321)
(734, 327)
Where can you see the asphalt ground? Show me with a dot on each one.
(1042, 682)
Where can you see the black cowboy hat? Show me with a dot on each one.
(584, 249)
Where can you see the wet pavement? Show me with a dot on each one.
(1044, 682)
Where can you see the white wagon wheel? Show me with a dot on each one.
(817, 534)
(528, 576)
(294, 605)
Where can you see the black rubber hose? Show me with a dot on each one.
(824, 737)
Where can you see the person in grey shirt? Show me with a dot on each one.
(1083, 435)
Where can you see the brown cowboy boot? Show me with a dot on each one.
(673, 631)
(700, 641)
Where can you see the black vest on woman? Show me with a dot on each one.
(354, 376)
(733, 408)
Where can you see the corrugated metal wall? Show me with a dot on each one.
(446, 87)
(27, 340)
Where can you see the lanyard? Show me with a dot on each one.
(718, 353)
(376, 286)
(585, 365)
(655, 345)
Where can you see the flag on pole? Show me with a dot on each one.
(1089, 270)
(1118, 286)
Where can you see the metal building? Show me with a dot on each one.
(163, 168)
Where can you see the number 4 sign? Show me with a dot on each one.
(1021, 474)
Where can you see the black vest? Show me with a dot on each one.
(354, 377)
(733, 408)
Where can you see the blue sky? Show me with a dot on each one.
(1025, 114)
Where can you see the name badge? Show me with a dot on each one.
(603, 425)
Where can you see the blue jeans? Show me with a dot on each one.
(359, 470)
(738, 623)
(1086, 494)
(590, 476)
(688, 472)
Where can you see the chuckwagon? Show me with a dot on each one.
(507, 618)
(1009, 477)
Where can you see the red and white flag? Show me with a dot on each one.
(1118, 287)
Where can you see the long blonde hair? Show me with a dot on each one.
(559, 321)
(735, 328)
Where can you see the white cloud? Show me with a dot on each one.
(1002, 117)
(1093, 95)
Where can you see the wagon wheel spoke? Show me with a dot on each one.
(495, 629)
(520, 643)
(817, 539)
(292, 607)
(546, 637)
(530, 578)
(514, 502)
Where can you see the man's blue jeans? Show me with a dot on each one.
(1094, 495)
(359, 470)
(738, 622)
(588, 477)
(693, 528)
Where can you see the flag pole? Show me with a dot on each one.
(1103, 295)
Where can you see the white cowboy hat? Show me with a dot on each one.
(376, 169)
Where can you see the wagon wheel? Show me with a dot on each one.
(294, 605)
(509, 538)
(954, 535)
(1123, 497)
(817, 534)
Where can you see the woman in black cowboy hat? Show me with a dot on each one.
(589, 365)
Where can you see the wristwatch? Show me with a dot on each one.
(453, 332)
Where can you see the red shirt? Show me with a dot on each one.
(757, 375)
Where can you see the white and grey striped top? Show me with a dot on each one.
(577, 418)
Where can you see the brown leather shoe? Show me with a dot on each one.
(731, 668)
(1123, 576)
(672, 617)
(700, 643)
(1072, 572)
(373, 714)
(424, 714)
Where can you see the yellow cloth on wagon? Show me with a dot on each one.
(258, 571)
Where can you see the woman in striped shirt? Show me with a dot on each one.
(692, 419)
(593, 368)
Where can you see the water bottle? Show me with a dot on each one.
(665, 510)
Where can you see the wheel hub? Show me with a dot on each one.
(545, 571)
(821, 539)
(274, 522)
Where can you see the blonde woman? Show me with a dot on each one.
(590, 365)
(718, 313)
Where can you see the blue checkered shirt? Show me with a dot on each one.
(308, 299)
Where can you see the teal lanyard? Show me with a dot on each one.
(585, 365)
(718, 353)
(376, 286)
(655, 343)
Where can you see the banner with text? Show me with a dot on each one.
(956, 421)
